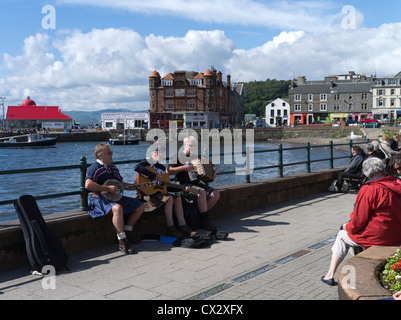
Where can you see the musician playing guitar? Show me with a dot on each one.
(96, 176)
(180, 167)
(155, 171)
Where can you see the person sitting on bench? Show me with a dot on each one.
(354, 169)
(376, 219)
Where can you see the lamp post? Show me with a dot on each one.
(2, 102)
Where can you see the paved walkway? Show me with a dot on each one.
(275, 253)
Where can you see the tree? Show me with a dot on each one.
(260, 93)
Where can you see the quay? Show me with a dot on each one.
(280, 235)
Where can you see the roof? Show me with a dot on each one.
(310, 88)
(33, 112)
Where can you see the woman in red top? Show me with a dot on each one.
(376, 219)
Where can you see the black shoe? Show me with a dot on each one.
(125, 246)
(330, 282)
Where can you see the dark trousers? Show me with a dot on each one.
(343, 175)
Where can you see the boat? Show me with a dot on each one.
(124, 140)
(33, 140)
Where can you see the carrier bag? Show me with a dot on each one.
(43, 247)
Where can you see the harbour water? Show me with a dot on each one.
(63, 154)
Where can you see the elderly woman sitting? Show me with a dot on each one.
(376, 219)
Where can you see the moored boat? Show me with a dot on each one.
(33, 140)
(126, 140)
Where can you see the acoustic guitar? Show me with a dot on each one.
(157, 186)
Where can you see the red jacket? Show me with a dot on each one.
(376, 219)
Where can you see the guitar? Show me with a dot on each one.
(117, 196)
(157, 186)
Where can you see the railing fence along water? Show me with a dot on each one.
(280, 166)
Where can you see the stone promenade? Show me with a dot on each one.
(275, 253)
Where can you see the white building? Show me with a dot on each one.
(125, 120)
(387, 98)
(278, 113)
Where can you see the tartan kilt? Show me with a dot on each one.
(99, 206)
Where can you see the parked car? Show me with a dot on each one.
(371, 123)
(352, 123)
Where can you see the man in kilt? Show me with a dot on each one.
(131, 209)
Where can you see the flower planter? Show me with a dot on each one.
(358, 277)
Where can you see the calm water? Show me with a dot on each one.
(36, 184)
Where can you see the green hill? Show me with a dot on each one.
(260, 93)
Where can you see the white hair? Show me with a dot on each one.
(373, 167)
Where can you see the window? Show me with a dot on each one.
(297, 107)
(167, 82)
(364, 96)
(381, 102)
(169, 105)
(191, 93)
(272, 113)
(323, 97)
(297, 97)
(169, 93)
(310, 107)
(191, 105)
(196, 82)
(310, 97)
(323, 107)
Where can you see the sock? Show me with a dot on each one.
(121, 236)
(128, 228)
(181, 222)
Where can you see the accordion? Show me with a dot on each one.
(202, 170)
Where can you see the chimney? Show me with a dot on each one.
(301, 80)
(228, 81)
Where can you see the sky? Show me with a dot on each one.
(86, 55)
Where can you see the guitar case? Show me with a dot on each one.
(43, 247)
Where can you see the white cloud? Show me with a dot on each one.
(283, 14)
(105, 68)
(318, 55)
(109, 68)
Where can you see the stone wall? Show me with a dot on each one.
(358, 276)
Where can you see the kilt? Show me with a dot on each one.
(99, 206)
(191, 197)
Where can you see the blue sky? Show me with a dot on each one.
(101, 52)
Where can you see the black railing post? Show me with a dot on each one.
(350, 147)
(280, 161)
(84, 192)
(308, 158)
(248, 175)
(331, 155)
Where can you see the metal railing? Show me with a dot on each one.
(280, 166)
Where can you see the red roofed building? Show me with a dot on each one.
(30, 116)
